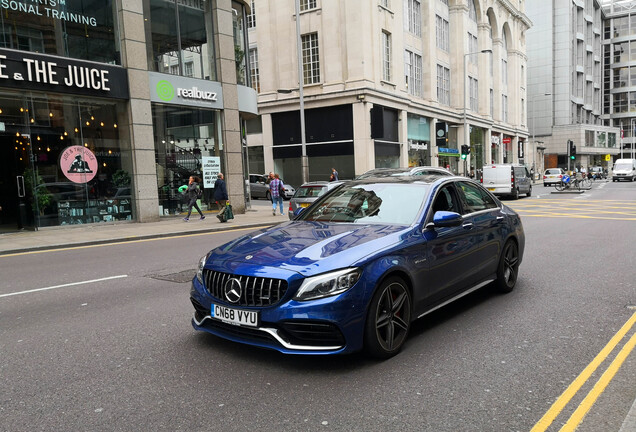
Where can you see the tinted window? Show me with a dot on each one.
(380, 203)
(553, 171)
(445, 200)
(474, 198)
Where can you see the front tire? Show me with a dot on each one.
(268, 196)
(508, 268)
(388, 319)
(529, 194)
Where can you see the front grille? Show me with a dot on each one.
(256, 291)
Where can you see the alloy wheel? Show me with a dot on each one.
(393, 317)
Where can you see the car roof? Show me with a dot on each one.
(383, 172)
(407, 179)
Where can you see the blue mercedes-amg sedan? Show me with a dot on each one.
(355, 269)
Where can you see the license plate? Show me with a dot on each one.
(491, 189)
(234, 316)
(304, 205)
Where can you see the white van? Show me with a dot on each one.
(624, 169)
(506, 179)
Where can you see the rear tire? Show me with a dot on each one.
(388, 319)
(508, 269)
(515, 194)
(268, 196)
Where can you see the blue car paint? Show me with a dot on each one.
(299, 249)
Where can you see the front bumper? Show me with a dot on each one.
(332, 325)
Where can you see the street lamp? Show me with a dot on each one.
(466, 132)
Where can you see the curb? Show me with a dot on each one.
(630, 421)
(133, 238)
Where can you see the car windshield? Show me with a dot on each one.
(310, 191)
(378, 203)
(623, 166)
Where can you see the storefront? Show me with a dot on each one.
(507, 147)
(477, 135)
(65, 156)
(419, 139)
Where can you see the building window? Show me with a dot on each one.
(473, 88)
(442, 31)
(307, 5)
(414, 21)
(311, 60)
(492, 103)
(188, 69)
(385, 3)
(473, 47)
(254, 75)
(523, 111)
(251, 17)
(174, 69)
(444, 1)
(504, 71)
(443, 85)
(504, 108)
(386, 56)
(413, 73)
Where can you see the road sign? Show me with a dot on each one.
(608, 157)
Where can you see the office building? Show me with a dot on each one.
(108, 106)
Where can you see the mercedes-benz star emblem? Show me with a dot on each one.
(233, 290)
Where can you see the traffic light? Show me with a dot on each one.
(572, 149)
(465, 151)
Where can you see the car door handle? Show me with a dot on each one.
(468, 225)
(500, 218)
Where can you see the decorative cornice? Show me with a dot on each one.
(515, 13)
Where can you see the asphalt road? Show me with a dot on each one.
(120, 354)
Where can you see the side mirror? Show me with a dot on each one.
(445, 219)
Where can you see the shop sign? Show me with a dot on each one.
(40, 72)
(54, 9)
(448, 152)
(211, 168)
(507, 140)
(417, 145)
(494, 139)
(178, 90)
(521, 153)
(78, 164)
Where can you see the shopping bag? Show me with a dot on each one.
(229, 214)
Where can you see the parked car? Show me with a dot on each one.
(552, 176)
(259, 187)
(308, 193)
(357, 267)
(396, 172)
(598, 172)
(507, 180)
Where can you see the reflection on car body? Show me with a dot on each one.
(259, 187)
(354, 269)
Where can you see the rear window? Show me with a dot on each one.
(553, 171)
(310, 191)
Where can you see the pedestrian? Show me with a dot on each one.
(220, 195)
(276, 192)
(193, 193)
(270, 177)
(334, 174)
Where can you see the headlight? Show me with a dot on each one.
(200, 268)
(328, 284)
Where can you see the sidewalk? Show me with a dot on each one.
(82, 235)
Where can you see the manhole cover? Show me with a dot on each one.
(181, 277)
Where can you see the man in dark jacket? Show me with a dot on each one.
(193, 193)
(220, 195)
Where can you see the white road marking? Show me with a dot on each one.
(63, 286)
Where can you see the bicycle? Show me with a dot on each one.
(568, 182)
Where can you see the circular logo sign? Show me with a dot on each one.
(78, 164)
(233, 290)
(165, 90)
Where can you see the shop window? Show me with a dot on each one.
(187, 47)
(81, 29)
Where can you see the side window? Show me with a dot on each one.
(445, 200)
(474, 199)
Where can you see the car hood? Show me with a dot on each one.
(306, 247)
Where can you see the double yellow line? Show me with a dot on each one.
(584, 407)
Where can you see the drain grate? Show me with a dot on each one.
(180, 277)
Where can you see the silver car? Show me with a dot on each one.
(259, 187)
(413, 171)
(552, 176)
(308, 193)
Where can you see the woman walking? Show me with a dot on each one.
(193, 192)
(275, 191)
